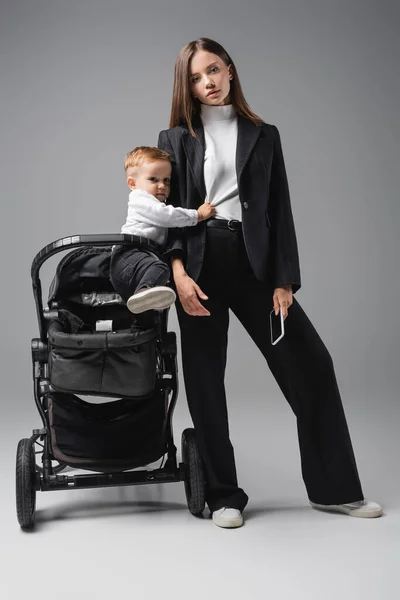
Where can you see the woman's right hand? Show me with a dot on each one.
(188, 291)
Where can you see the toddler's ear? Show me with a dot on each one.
(131, 182)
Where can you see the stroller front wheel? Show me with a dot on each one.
(194, 472)
(25, 484)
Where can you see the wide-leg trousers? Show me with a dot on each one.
(300, 363)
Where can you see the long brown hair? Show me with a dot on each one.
(184, 107)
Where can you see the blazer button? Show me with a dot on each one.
(245, 205)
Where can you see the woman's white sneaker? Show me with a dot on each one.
(227, 517)
(362, 508)
(155, 298)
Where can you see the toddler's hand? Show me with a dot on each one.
(205, 211)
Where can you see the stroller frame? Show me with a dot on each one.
(31, 477)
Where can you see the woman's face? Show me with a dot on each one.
(210, 78)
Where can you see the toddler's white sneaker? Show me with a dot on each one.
(155, 298)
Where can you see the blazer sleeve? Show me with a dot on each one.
(176, 245)
(283, 236)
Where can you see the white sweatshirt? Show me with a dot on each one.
(220, 133)
(149, 217)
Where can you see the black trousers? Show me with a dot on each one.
(300, 363)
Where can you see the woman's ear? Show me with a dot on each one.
(131, 182)
(230, 72)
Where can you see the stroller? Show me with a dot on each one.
(91, 345)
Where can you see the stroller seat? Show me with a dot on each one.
(117, 361)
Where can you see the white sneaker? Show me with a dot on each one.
(227, 517)
(155, 298)
(362, 508)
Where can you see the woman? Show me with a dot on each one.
(245, 259)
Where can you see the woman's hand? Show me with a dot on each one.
(188, 291)
(283, 298)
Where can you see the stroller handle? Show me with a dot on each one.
(73, 241)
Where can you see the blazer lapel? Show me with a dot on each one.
(195, 149)
(248, 134)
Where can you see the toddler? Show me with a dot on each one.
(140, 274)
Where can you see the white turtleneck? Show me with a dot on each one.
(220, 132)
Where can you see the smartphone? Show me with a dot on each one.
(277, 326)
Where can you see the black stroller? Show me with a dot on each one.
(90, 344)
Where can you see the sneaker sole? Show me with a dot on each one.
(151, 299)
(352, 512)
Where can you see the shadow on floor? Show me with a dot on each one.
(258, 511)
(94, 509)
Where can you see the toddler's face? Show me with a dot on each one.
(153, 177)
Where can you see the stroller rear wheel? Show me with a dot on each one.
(194, 472)
(25, 484)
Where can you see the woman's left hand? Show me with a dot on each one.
(283, 298)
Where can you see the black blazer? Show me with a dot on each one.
(268, 227)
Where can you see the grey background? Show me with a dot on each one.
(84, 82)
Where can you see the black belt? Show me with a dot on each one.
(232, 224)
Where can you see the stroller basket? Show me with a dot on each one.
(106, 363)
(126, 432)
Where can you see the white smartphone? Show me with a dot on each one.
(277, 326)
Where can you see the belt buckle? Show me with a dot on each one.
(232, 221)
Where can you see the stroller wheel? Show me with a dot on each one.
(194, 472)
(25, 484)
